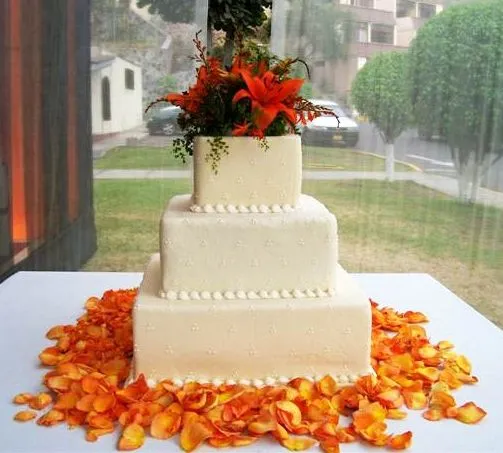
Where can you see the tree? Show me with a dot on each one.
(457, 86)
(318, 28)
(380, 92)
(317, 31)
(235, 17)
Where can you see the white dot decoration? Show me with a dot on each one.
(194, 327)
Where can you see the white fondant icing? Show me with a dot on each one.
(191, 329)
(274, 178)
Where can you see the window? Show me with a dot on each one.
(105, 99)
(405, 8)
(129, 75)
(426, 10)
(363, 3)
(362, 32)
(382, 34)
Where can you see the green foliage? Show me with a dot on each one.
(231, 16)
(168, 84)
(380, 92)
(457, 78)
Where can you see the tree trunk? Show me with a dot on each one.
(390, 161)
(464, 169)
(228, 48)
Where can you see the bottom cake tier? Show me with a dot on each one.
(251, 341)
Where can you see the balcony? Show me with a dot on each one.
(370, 15)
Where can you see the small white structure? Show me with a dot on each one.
(116, 92)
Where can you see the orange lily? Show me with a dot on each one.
(268, 96)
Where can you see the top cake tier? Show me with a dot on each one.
(249, 175)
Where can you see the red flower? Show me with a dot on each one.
(269, 97)
(240, 129)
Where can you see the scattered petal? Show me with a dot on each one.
(25, 416)
(132, 437)
(470, 413)
(400, 441)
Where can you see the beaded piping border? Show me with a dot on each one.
(245, 295)
(341, 379)
(241, 209)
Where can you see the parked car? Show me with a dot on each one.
(164, 121)
(327, 131)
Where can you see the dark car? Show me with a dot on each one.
(325, 130)
(164, 121)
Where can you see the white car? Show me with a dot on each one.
(327, 131)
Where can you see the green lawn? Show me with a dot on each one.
(314, 158)
(383, 227)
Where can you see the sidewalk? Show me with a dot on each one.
(101, 146)
(448, 186)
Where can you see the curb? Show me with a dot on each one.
(407, 164)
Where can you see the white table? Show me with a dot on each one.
(32, 302)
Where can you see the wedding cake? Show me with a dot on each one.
(247, 288)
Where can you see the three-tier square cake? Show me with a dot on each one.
(247, 287)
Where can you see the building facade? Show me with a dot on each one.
(379, 26)
(116, 93)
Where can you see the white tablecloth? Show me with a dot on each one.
(32, 302)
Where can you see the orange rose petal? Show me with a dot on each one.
(327, 386)
(92, 435)
(306, 389)
(298, 443)
(443, 345)
(41, 401)
(242, 441)
(466, 378)
(414, 317)
(442, 400)
(464, 364)
(396, 414)
(400, 441)
(391, 398)
(429, 373)
(433, 414)
(415, 400)
(470, 413)
(450, 378)
(51, 418)
(220, 442)
(165, 425)
(66, 401)
(262, 425)
(194, 432)
(85, 404)
(132, 437)
(103, 403)
(100, 422)
(451, 412)
(22, 398)
(427, 352)
(50, 356)
(89, 384)
(59, 383)
(288, 414)
(330, 446)
(375, 434)
(345, 435)
(55, 332)
(25, 416)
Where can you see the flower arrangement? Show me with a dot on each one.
(256, 96)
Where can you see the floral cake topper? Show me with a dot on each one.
(256, 96)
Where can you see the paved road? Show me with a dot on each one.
(431, 156)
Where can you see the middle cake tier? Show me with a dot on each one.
(224, 255)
